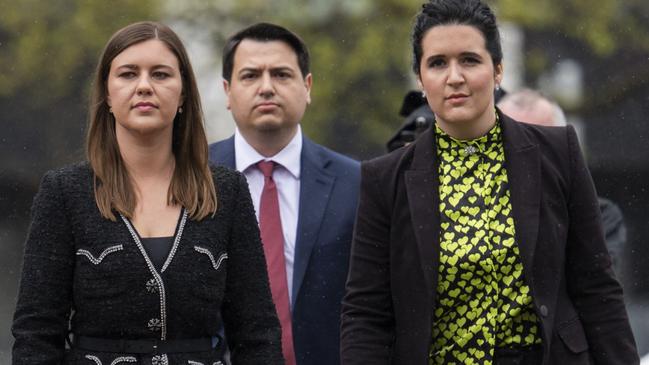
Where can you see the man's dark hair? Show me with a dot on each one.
(265, 32)
(462, 12)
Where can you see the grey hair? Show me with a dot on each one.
(528, 99)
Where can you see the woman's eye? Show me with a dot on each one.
(436, 63)
(127, 75)
(471, 60)
(160, 75)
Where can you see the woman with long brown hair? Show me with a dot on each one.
(139, 251)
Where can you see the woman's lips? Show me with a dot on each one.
(145, 107)
(457, 99)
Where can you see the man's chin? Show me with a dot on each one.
(270, 126)
(268, 129)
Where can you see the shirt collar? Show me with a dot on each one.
(289, 157)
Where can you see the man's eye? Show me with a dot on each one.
(283, 75)
(248, 76)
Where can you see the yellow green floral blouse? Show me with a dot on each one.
(482, 300)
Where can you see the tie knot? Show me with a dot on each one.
(266, 167)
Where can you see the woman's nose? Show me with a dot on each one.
(143, 86)
(455, 73)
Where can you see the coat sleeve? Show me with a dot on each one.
(249, 316)
(367, 323)
(44, 300)
(596, 293)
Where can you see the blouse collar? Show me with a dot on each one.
(485, 144)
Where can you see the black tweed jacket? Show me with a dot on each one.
(78, 262)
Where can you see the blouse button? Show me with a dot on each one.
(155, 324)
(544, 310)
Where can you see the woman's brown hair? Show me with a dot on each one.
(191, 185)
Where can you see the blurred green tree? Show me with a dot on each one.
(360, 61)
(48, 51)
(361, 50)
(45, 44)
(612, 37)
(604, 25)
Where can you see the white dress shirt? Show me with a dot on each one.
(287, 179)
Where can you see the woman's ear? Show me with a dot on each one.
(498, 73)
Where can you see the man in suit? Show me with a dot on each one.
(268, 83)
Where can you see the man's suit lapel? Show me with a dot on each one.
(522, 160)
(422, 185)
(315, 191)
(222, 153)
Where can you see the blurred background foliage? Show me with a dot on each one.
(603, 25)
(361, 65)
(360, 49)
(45, 44)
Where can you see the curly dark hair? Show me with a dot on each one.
(464, 12)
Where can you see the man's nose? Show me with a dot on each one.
(266, 87)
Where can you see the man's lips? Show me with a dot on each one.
(266, 106)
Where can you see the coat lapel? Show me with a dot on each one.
(522, 159)
(315, 191)
(422, 185)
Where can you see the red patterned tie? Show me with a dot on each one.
(270, 224)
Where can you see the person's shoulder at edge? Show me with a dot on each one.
(540, 134)
(222, 171)
(70, 174)
(216, 144)
(225, 175)
(390, 166)
(73, 169)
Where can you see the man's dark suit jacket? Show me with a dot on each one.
(329, 185)
(388, 308)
